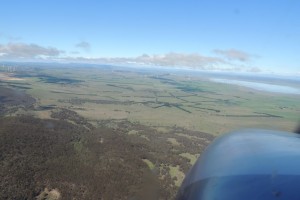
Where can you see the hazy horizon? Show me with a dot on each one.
(238, 36)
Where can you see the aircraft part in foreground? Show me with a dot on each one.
(248, 164)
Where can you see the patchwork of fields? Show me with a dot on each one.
(157, 99)
(165, 119)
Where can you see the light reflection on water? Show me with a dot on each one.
(260, 86)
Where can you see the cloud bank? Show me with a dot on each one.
(178, 59)
(224, 61)
(27, 51)
(170, 59)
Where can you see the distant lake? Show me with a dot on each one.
(260, 86)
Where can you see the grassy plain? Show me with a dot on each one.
(160, 99)
(168, 118)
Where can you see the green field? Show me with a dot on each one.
(165, 119)
(159, 100)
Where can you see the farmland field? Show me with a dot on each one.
(151, 123)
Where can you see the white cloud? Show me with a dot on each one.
(233, 54)
(34, 52)
(84, 46)
(254, 69)
(170, 59)
(26, 51)
(195, 61)
(179, 59)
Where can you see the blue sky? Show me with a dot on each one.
(256, 35)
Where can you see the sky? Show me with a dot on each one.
(226, 35)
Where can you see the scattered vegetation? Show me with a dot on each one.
(149, 164)
(102, 163)
(176, 174)
(191, 157)
(69, 115)
(11, 100)
(117, 134)
(38, 154)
